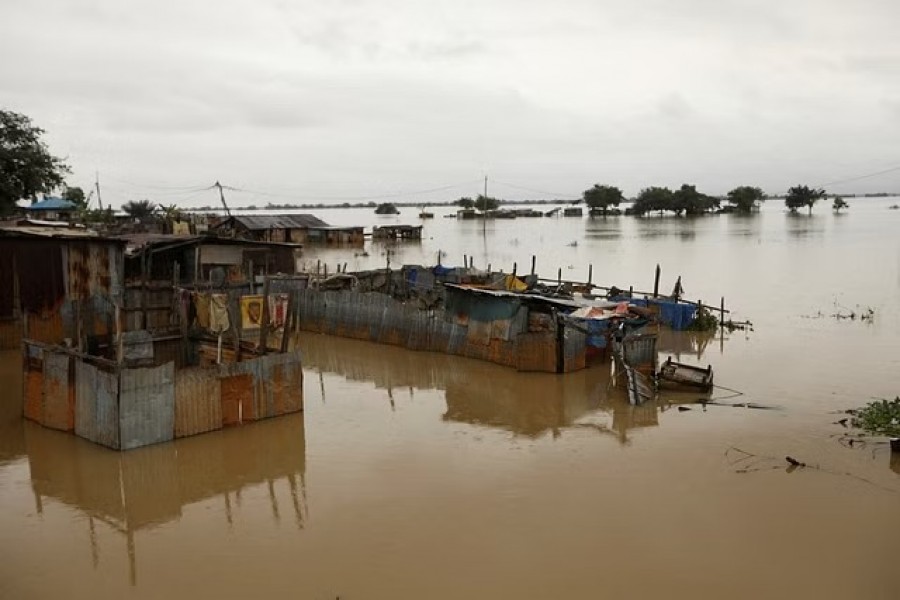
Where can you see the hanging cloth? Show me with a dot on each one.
(278, 306)
(201, 306)
(218, 313)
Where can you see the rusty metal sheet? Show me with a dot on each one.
(198, 406)
(33, 392)
(479, 333)
(234, 388)
(96, 405)
(147, 406)
(536, 352)
(58, 410)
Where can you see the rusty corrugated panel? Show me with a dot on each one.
(96, 405)
(234, 388)
(536, 352)
(10, 334)
(574, 350)
(32, 393)
(146, 406)
(47, 328)
(58, 406)
(198, 404)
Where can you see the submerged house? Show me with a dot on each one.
(92, 369)
(445, 310)
(299, 229)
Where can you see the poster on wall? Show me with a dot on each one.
(251, 312)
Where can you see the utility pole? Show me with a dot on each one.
(222, 197)
(97, 185)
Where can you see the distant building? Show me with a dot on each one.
(298, 229)
(52, 209)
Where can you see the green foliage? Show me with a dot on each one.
(653, 199)
(465, 202)
(838, 204)
(75, 195)
(97, 216)
(386, 208)
(704, 321)
(745, 198)
(26, 166)
(688, 200)
(602, 197)
(139, 209)
(881, 417)
(801, 195)
(484, 203)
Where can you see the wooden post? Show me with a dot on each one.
(631, 291)
(533, 261)
(264, 326)
(590, 275)
(559, 277)
(514, 269)
(465, 260)
(471, 262)
(656, 282)
(251, 277)
(288, 321)
(120, 349)
(196, 264)
(722, 312)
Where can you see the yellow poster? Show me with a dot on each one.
(251, 312)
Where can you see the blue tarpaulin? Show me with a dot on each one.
(676, 315)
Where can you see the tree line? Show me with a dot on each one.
(27, 168)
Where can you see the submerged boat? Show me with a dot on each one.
(679, 376)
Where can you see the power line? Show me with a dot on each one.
(536, 191)
(860, 177)
(348, 198)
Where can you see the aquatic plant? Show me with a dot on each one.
(880, 417)
(704, 321)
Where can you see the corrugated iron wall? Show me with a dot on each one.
(198, 401)
(146, 406)
(379, 318)
(96, 404)
(10, 334)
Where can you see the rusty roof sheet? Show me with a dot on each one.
(263, 222)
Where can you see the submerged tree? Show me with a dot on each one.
(653, 199)
(386, 208)
(484, 203)
(139, 209)
(746, 198)
(800, 196)
(688, 200)
(465, 202)
(838, 204)
(602, 197)
(26, 166)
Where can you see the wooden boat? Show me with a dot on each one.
(426, 215)
(679, 376)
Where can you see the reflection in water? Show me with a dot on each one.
(12, 438)
(479, 393)
(144, 488)
(804, 225)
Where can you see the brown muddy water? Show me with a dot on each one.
(417, 475)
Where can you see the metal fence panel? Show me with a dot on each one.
(58, 403)
(198, 404)
(147, 406)
(96, 405)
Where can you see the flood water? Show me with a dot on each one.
(418, 475)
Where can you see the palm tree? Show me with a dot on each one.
(139, 209)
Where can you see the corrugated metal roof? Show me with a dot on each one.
(516, 295)
(262, 222)
(62, 233)
(52, 203)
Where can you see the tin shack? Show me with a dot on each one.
(91, 371)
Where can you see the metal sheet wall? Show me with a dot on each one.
(198, 405)
(58, 408)
(96, 405)
(146, 406)
(379, 318)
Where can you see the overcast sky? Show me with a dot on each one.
(333, 100)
